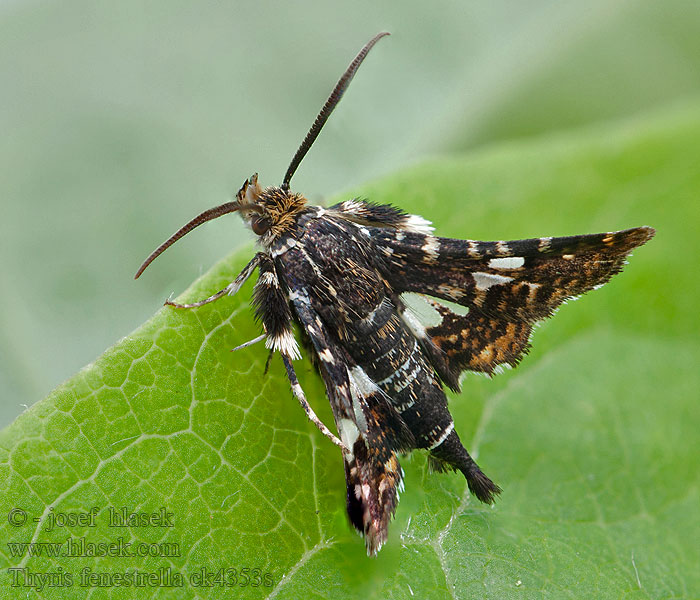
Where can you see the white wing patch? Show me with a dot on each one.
(420, 310)
(511, 262)
(326, 356)
(503, 247)
(418, 224)
(431, 247)
(414, 324)
(485, 280)
(349, 433)
(362, 383)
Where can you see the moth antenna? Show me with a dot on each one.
(328, 108)
(207, 215)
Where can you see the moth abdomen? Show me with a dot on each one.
(452, 454)
(398, 367)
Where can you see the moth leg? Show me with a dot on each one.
(229, 290)
(260, 338)
(268, 361)
(272, 308)
(299, 393)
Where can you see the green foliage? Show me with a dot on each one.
(593, 437)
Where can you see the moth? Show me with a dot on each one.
(343, 274)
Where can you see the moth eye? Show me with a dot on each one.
(260, 225)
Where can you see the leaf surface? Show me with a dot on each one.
(593, 437)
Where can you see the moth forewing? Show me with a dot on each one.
(345, 274)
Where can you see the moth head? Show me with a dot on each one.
(271, 211)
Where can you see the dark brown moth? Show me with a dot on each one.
(343, 275)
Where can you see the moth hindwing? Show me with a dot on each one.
(344, 273)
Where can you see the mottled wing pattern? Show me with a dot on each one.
(368, 425)
(363, 212)
(506, 286)
(474, 342)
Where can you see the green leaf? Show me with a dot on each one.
(593, 437)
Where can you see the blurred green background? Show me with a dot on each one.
(120, 121)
